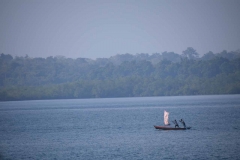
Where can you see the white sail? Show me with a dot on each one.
(166, 118)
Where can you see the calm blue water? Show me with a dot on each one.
(120, 128)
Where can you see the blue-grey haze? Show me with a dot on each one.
(103, 28)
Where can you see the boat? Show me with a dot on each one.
(170, 128)
(166, 124)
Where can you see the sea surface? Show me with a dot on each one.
(120, 128)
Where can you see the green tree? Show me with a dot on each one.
(190, 53)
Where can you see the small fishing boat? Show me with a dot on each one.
(167, 124)
(170, 128)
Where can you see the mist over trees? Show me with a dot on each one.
(126, 75)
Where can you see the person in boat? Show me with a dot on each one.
(176, 124)
(182, 121)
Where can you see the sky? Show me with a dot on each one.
(104, 28)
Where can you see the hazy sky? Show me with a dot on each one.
(103, 28)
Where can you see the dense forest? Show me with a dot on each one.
(126, 75)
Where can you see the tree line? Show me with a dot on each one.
(126, 75)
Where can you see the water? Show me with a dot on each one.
(120, 128)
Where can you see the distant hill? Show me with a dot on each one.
(126, 75)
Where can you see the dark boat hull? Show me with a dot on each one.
(170, 128)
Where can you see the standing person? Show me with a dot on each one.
(182, 121)
(176, 124)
